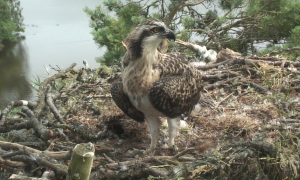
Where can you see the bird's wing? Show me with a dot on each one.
(123, 102)
(178, 89)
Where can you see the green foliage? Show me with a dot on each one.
(10, 19)
(276, 19)
(239, 25)
(16, 14)
(295, 37)
(6, 23)
(36, 83)
(109, 32)
(231, 4)
(291, 55)
(238, 45)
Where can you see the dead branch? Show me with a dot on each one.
(61, 155)
(146, 168)
(218, 104)
(10, 154)
(23, 158)
(281, 51)
(59, 171)
(139, 169)
(108, 158)
(42, 131)
(218, 84)
(53, 109)
(20, 177)
(256, 86)
(13, 104)
(43, 87)
(183, 153)
(148, 160)
(248, 62)
(261, 146)
(11, 164)
(207, 77)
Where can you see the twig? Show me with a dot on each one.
(11, 164)
(56, 155)
(290, 49)
(13, 104)
(43, 86)
(217, 105)
(20, 177)
(108, 158)
(52, 107)
(14, 153)
(183, 152)
(256, 86)
(147, 160)
(218, 84)
(59, 171)
(249, 62)
(146, 168)
(42, 131)
(215, 76)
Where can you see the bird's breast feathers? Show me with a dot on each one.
(157, 73)
(137, 78)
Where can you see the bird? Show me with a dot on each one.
(153, 84)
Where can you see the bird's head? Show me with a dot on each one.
(147, 36)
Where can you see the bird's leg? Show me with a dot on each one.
(154, 124)
(173, 124)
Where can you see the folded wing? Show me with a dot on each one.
(123, 102)
(178, 89)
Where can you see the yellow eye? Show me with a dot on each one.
(156, 30)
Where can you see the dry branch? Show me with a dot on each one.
(20, 177)
(13, 104)
(256, 86)
(289, 49)
(261, 146)
(11, 164)
(43, 87)
(59, 171)
(147, 160)
(61, 155)
(42, 131)
(53, 109)
(218, 84)
(248, 62)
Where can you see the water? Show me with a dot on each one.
(57, 33)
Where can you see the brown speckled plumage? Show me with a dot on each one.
(153, 84)
(178, 89)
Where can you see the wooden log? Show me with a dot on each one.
(81, 162)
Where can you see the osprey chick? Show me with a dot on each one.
(153, 84)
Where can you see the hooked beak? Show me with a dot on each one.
(170, 35)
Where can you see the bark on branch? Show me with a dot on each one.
(61, 155)
(43, 87)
